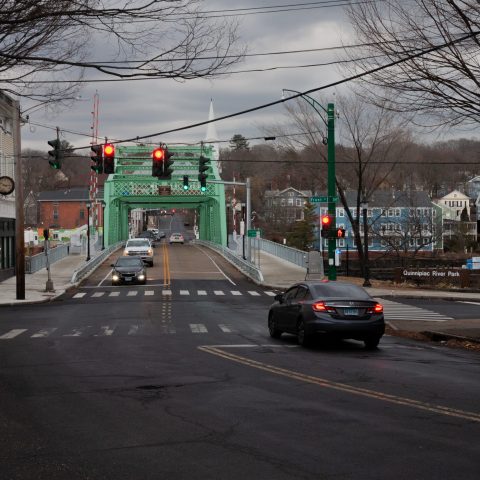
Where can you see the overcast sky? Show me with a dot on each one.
(136, 108)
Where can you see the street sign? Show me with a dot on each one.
(323, 199)
(253, 233)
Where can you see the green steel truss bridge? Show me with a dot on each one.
(133, 186)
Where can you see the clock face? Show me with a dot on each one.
(7, 185)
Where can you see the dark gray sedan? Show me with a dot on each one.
(129, 270)
(335, 309)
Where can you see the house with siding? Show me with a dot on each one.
(285, 206)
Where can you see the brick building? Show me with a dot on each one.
(65, 209)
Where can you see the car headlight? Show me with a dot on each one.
(150, 251)
(115, 277)
(125, 253)
(141, 276)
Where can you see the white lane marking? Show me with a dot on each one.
(184, 292)
(399, 311)
(133, 330)
(106, 331)
(225, 328)
(471, 303)
(166, 292)
(201, 292)
(76, 332)
(235, 292)
(251, 345)
(132, 293)
(114, 294)
(218, 292)
(104, 278)
(198, 328)
(253, 293)
(79, 295)
(270, 294)
(219, 269)
(149, 293)
(45, 332)
(13, 333)
(98, 294)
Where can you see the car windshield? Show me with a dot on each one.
(129, 262)
(338, 290)
(138, 243)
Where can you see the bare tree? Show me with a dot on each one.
(442, 86)
(48, 46)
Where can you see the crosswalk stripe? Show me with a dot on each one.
(201, 292)
(198, 328)
(184, 292)
(79, 295)
(106, 331)
(166, 292)
(149, 293)
(225, 328)
(114, 294)
(98, 294)
(235, 292)
(13, 333)
(45, 332)
(398, 311)
(253, 293)
(132, 293)
(133, 330)
(218, 292)
(76, 332)
(270, 294)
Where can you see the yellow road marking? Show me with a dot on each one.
(321, 382)
(166, 265)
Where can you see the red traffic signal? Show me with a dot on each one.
(158, 154)
(340, 233)
(326, 221)
(108, 158)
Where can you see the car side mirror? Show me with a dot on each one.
(278, 297)
(112, 264)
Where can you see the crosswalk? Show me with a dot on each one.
(400, 311)
(123, 330)
(164, 293)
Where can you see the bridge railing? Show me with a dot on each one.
(94, 262)
(292, 255)
(244, 266)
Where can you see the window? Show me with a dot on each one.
(390, 212)
(282, 202)
(299, 202)
(369, 212)
(341, 242)
(55, 213)
(341, 212)
(290, 202)
(397, 212)
(291, 194)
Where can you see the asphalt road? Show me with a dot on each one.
(188, 384)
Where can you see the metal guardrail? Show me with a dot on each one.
(37, 262)
(94, 262)
(292, 255)
(243, 265)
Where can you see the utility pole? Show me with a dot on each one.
(332, 188)
(19, 211)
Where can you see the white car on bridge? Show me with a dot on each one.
(139, 247)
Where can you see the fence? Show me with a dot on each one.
(37, 262)
(292, 255)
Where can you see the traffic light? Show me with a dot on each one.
(202, 168)
(97, 158)
(340, 233)
(108, 158)
(186, 186)
(158, 155)
(326, 224)
(55, 154)
(167, 165)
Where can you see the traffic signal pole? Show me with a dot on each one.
(331, 189)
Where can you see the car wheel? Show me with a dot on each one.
(371, 343)
(303, 338)
(272, 327)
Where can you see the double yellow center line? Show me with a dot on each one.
(343, 387)
(166, 265)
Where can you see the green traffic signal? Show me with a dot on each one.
(186, 186)
(55, 154)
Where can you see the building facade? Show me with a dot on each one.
(7, 202)
(285, 206)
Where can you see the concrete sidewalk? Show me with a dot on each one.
(60, 273)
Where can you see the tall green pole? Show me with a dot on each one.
(331, 187)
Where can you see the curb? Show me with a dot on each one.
(440, 336)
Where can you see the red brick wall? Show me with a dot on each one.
(68, 214)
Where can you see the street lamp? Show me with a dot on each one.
(331, 182)
(366, 267)
(89, 206)
(102, 203)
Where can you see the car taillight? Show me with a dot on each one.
(319, 307)
(378, 308)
